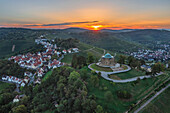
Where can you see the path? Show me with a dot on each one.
(105, 75)
(89, 49)
(17, 85)
(147, 102)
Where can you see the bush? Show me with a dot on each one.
(105, 88)
(108, 96)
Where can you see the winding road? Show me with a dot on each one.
(147, 102)
(105, 75)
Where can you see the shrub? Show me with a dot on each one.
(105, 88)
(108, 96)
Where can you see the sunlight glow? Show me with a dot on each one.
(96, 27)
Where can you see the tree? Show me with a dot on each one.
(94, 80)
(74, 61)
(121, 59)
(99, 109)
(93, 104)
(158, 67)
(19, 109)
(90, 58)
(108, 96)
(83, 74)
(73, 77)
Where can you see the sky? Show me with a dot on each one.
(108, 14)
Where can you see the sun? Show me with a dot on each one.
(96, 27)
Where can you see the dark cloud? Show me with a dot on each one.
(67, 23)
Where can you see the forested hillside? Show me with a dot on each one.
(64, 91)
(148, 37)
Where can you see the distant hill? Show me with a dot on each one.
(75, 29)
(117, 31)
(105, 40)
(146, 36)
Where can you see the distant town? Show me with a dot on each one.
(162, 54)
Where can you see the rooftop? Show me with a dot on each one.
(107, 56)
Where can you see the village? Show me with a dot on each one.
(39, 62)
(162, 54)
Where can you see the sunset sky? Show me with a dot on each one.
(109, 14)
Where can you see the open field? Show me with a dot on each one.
(6, 46)
(138, 90)
(130, 74)
(98, 68)
(160, 104)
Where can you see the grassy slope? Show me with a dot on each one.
(129, 74)
(98, 68)
(160, 104)
(138, 91)
(6, 46)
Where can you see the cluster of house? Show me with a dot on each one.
(149, 55)
(12, 79)
(40, 61)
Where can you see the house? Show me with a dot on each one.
(29, 74)
(23, 84)
(38, 81)
(75, 49)
(4, 78)
(64, 51)
(40, 72)
(17, 98)
(146, 68)
(26, 79)
(69, 50)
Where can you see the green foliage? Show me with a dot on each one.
(66, 43)
(158, 67)
(108, 96)
(124, 94)
(11, 68)
(90, 58)
(94, 80)
(19, 109)
(65, 87)
(6, 96)
(122, 59)
(78, 61)
(99, 109)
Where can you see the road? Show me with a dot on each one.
(145, 104)
(61, 58)
(105, 75)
